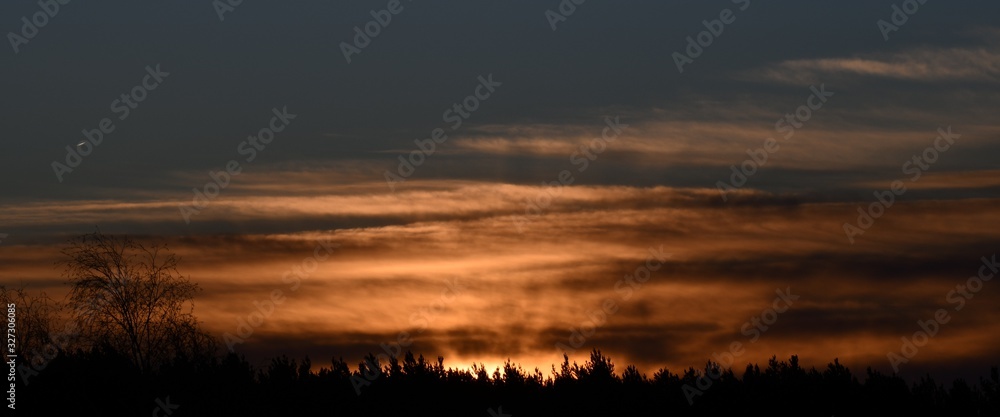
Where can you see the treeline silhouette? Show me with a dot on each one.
(102, 381)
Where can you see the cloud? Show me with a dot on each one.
(951, 180)
(835, 140)
(922, 64)
(523, 291)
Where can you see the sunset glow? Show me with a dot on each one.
(670, 183)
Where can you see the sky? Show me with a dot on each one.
(483, 179)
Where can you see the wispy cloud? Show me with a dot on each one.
(923, 64)
(525, 290)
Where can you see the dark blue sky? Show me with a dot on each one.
(225, 76)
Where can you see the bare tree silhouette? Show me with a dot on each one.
(131, 298)
(36, 322)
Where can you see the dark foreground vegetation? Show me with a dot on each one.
(102, 382)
